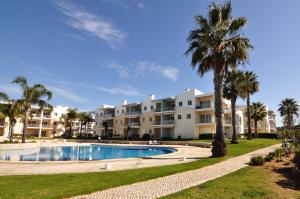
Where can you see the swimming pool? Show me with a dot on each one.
(83, 152)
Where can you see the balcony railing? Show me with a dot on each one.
(2, 124)
(198, 106)
(163, 122)
(227, 121)
(205, 121)
(133, 113)
(170, 108)
(38, 126)
(132, 124)
(39, 116)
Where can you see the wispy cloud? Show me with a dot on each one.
(92, 24)
(141, 5)
(11, 90)
(122, 90)
(142, 68)
(67, 94)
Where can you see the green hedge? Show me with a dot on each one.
(206, 136)
(265, 135)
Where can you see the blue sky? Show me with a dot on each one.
(104, 51)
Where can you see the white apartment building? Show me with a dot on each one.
(186, 115)
(43, 123)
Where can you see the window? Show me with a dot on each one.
(55, 114)
(189, 102)
(122, 111)
(205, 118)
(54, 123)
(152, 107)
(188, 116)
(145, 108)
(97, 115)
(143, 119)
(179, 103)
(179, 117)
(116, 121)
(118, 111)
(100, 114)
(150, 119)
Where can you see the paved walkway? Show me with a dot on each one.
(170, 184)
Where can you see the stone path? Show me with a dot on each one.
(159, 187)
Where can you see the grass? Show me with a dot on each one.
(67, 185)
(249, 182)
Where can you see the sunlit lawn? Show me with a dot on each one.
(66, 185)
(249, 182)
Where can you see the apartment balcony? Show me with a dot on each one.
(166, 110)
(203, 108)
(168, 123)
(39, 116)
(133, 113)
(204, 123)
(132, 124)
(34, 126)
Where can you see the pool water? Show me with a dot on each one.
(86, 152)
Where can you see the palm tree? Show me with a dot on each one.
(3, 96)
(218, 45)
(231, 91)
(12, 110)
(248, 85)
(258, 113)
(288, 108)
(85, 119)
(71, 116)
(36, 94)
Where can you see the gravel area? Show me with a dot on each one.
(159, 187)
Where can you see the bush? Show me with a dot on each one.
(266, 135)
(206, 136)
(146, 136)
(279, 153)
(269, 158)
(257, 161)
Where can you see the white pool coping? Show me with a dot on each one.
(191, 153)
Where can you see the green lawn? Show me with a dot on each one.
(249, 182)
(66, 185)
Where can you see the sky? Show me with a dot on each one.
(105, 51)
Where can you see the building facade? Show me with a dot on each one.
(44, 123)
(186, 115)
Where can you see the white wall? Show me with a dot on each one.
(185, 127)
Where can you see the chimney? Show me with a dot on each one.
(152, 97)
(124, 102)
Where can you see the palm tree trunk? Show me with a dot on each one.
(234, 136)
(249, 136)
(10, 131)
(218, 145)
(255, 126)
(26, 115)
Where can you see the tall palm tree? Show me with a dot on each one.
(258, 113)
(288, 108)
(84, 119)
(218, 45)
(248, 85)
(12, 110)
(71, 116)
(231, 91)
(36, 94)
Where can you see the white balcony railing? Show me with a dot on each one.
(170, 108)
(163, 122)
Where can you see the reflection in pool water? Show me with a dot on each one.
(86, 152)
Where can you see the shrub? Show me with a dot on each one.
(206, 136)
(257, 161)
(266, 135)
(146, 136)
(278, 153)
(269, 158)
